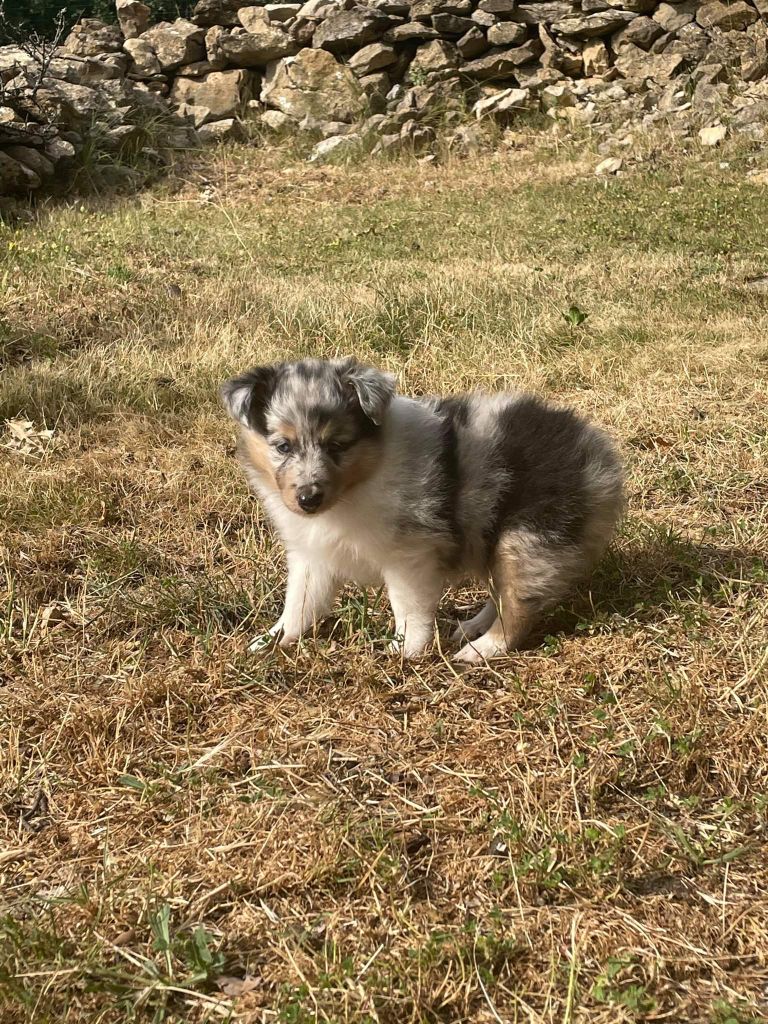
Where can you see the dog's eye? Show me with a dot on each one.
(337, 447)
(284, 447)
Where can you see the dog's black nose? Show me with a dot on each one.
(309, 498)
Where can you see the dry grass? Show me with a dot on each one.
(188, 833)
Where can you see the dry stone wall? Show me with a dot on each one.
(384, 74)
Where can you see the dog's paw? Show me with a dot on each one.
(273, 635)
(480, 650)
(409, 652)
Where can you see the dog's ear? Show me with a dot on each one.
(246, 397)
(374, 388)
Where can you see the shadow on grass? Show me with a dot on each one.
(663, 575)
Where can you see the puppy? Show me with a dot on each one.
(367, 486)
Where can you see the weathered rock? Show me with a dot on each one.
(377, 84)
(279, 14)
(417, 137)
(15, 177)
(176, 43)
(586, 27)
(545, 13)
(451, 24)
(597, 59)
(726, 16)
(713, 136)
(253, 19)
(472, 44)
(424, 10)
(90, 37)
(222, 94)
(277, 121)
(372, 58)
(336, 148)
(502, 64)
(673, 16)
(642, 32)
(207, 13)
(32, 158)
(502, 102)
(634, 63)
(348, 30)
(58, 149)
(255, 49)
(635, 6)
(145, 62)
(133, 17)
(611, 165)
(313, 83)
(554, 97)
(483, 19)
(220, 131)
(435, 56)
(506, 33)
(412, 31)
(500, 7)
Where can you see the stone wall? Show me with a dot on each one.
(383, 74)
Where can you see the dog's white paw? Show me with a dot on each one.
(480, 650)
(265, 640)
(409, 652)
(465, 631)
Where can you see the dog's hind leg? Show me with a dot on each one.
(472, 628)
(525, 578)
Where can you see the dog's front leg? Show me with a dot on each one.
(309, 598)
(414, 593)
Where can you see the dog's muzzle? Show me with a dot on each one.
(309, 498)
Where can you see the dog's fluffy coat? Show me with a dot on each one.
(367, 486)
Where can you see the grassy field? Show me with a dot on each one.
(187, 833)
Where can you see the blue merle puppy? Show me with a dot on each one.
(367, 486)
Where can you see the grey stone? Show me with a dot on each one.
(544, 13)
(435, 56)
(222, 94)
(726, 16)
(176, 43)
(601, 24)
(15, 177)
(313, 83)
(377, 84)
(642, 32)
(500, 7)
(672, 16)
(424, 10)
(412, 31)
(90, 37)
(484, 19)
(502, 64)
(277, 121)
(145, 62)
(506, 33)
(336, 148)
(349, 30)
(596, 58)
(255, 49)
(207, 13)
(635, 6)
(281, 13)
(636, 63)
(372, 58)
(451, 24)
(133, 17)
(228, 129)
(472, 44)
(252, 18)
(502, 102)
(32, 158)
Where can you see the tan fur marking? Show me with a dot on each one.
(286, 430)
(255, 451)
(365, 457)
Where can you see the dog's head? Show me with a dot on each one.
(311, 429)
